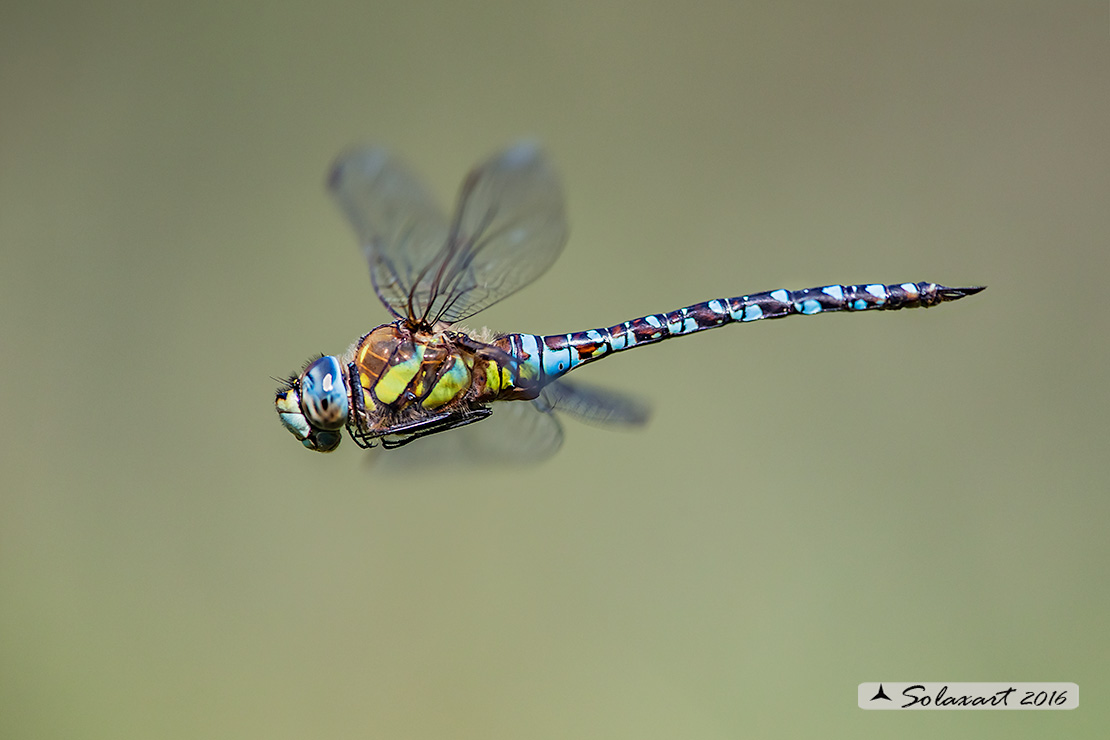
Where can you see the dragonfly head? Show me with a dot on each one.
(314, 406)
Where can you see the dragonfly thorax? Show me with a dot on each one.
(401, 371)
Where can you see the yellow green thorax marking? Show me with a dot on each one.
(498, 377)
(451, 382)
(395, 378)
(365, 382)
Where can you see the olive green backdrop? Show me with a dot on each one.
(816, 503)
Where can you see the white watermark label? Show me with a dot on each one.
(986, 695)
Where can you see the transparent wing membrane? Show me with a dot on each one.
(509, 226)
(594, 405)
(399, 225)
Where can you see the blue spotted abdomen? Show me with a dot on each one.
(547, 358)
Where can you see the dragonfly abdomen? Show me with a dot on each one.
(549, 357)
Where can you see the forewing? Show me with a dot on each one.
(401, 229)
(509, 226)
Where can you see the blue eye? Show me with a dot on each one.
(324, 394)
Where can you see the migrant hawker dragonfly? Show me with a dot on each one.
(422, 374)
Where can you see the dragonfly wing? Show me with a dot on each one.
(594, 405)
(509, 226)
(398, 223)
(524, 432)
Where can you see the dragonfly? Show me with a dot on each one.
(422, 373)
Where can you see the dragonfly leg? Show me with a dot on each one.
(354, 383)
(485, 351)
(439, 423)
(526, 387)
(411, 430)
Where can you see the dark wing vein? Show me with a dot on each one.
(508, 228)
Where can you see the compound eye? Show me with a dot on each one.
(323, 441)
(324, 394)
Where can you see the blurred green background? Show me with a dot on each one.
(908, 496)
